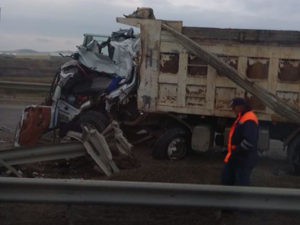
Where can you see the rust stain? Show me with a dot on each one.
(146, 102)
(289, 70)
(275, 118)
(257, 68)
(223, 104)
(195, 60)
(194, 90)
(196, 67)
(224, 95)
(255, 103)
(169, 62)
(197, 71)
(195, 95)
(34, 125)
(245, 36)
(190, 101)
(231, 61)
(291, 98)
(167, 94)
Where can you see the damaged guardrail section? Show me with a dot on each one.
(92, 143)
(144, 193)
(25, 86)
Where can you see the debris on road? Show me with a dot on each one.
(110, 150)
(99, 146)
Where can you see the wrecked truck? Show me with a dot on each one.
(189, 75)
(101, 73)
(173, 85)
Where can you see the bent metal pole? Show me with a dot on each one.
(269, 99)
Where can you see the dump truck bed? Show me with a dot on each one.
(174, 80)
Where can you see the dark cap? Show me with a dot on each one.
(238, 101)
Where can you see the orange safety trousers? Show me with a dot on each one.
(240, 119)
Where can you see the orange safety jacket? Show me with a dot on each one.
(240, 119)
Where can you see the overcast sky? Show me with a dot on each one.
(50, 25)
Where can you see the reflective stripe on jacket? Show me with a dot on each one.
(240, 119)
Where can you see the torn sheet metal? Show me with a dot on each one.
(108, 149)
(34, 122)
(169, 62)
(97, 147)
(289, 70)
(96, 61)
(119, 64)
(257, 68)
(124, 52)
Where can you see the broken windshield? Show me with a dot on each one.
(89, 38)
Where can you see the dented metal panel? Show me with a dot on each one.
(289, 70)
(169, 62)
(187, 85)
(168, 94)
(224, 96)
(149, 64)
(257, 68)
(243, 36)
(196, 67)
(255, 103)
(230, 60)
(289, 97)
(195, 95)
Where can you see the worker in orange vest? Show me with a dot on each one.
(242, 145)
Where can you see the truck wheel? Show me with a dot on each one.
(92, 119)
(294, 154)
(173, 145)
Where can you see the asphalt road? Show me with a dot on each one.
(10, 115)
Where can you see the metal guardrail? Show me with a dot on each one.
(36, 87)
(145, 193)
(18, 156)
(91, 142)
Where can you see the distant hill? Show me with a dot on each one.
(33, 52)
(26, 65)
(25, 51)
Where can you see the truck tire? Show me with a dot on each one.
(293, 153)
(93, 119)
(172, 144)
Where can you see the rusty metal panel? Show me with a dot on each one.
(289, 97)
(169, 62)
(257, 68)
(289, 70)
(167, 94)
(149, 65)
(196, 67)
(242, 36)
(255, 103)
(195, 95)
(230, 60)
(173, 80)
(224, 95)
